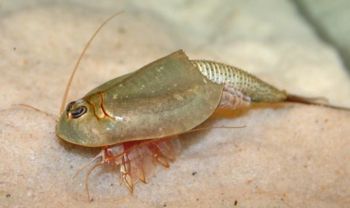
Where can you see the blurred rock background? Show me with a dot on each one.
(330, 21)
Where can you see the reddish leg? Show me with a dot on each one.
(138, 159)
(141, 157)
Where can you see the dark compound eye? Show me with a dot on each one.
(77, 112)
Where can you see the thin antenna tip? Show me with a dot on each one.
(64, 100)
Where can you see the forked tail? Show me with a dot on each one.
(320, 101)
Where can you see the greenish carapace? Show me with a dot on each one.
(165, 98)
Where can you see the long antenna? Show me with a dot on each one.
(64, 100)
(213, 127)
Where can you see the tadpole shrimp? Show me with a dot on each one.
(136, 118)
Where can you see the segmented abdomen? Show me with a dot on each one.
(249, 85)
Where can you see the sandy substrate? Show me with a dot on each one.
(288, 155)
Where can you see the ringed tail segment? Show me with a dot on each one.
(241, 81)
(243, 86)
